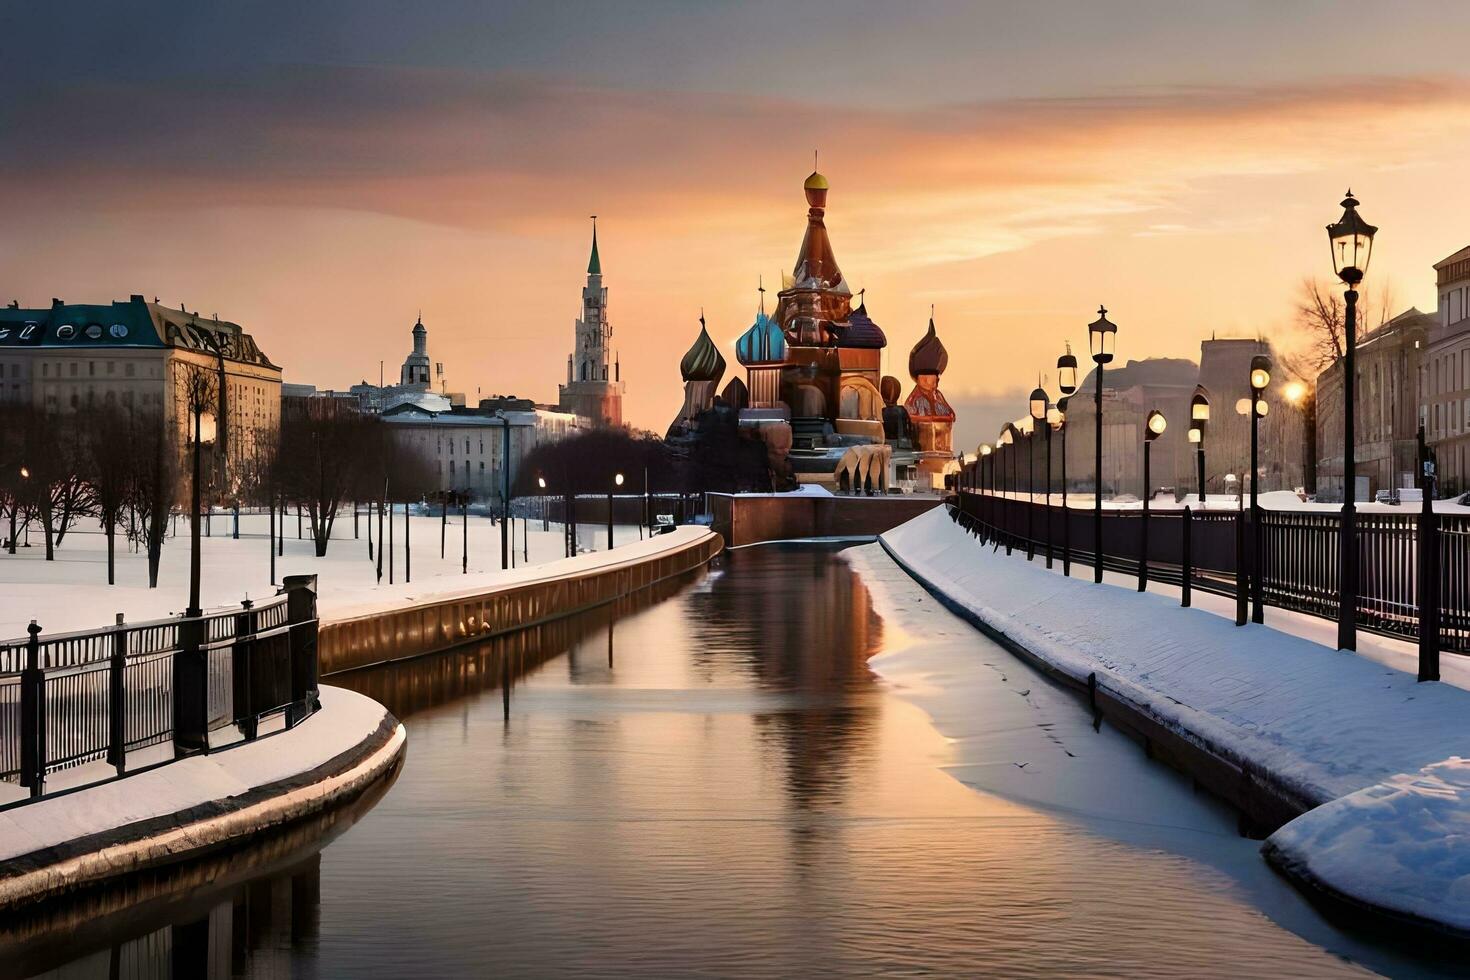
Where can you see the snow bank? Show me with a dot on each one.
(174, 811)
(1324, 722)
(1401, 845)
(1328, 726)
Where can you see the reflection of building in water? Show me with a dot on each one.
(811, 623)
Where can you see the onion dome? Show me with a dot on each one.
(862, 331)
(891, 389)
(763, 343)
(703, 362)
(816, 190)
(736, 395)
(928, 355)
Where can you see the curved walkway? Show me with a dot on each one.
(184, 808)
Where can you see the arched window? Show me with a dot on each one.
(584, 370)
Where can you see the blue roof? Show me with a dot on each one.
(763, 343)
(862, 331)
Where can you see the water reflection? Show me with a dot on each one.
(252, 911)
(714, 784)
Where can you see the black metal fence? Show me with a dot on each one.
(76, 699)
(1404, 585)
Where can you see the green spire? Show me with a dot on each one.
(594, 264)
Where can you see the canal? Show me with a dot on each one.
(712, 780)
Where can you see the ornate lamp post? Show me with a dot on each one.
(1006, 442)
(1152, 429)
(1102, 340)
(1039, 430)
(1260, 378)
(1199, 417)
(1351, 239)
(1067, 383)
(617, 481)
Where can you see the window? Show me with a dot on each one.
(66, 331)
(128, 369)
(72, 369)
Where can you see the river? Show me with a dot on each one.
(711, 780)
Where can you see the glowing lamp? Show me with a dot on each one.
(1156, 425)
(1102, 337)
(1351, 239)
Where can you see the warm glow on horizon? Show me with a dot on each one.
(323, 206)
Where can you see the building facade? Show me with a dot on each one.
(129, 356)
(1386, 412)
(418, 378)
(465, 447)
(1443, 377)
(594, 388)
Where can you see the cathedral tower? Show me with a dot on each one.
(594, 387)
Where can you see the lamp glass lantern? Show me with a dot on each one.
(1039, 404)
(1102, 337)
(1260, 372)
(984, 450)
(1263, 408)
(1199, 405)
(1351, 239)
(1155, 426)
(618, 479)
(1067, 372)
(1196, 434)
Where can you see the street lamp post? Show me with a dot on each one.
(1102, 340)
(1067, 383)
(504, 490)
(1351, 240)
(1199, 417)
(617, 481)
(1040, 412)
(1152, 429)
(982, 459)
(1039, 405)
(1260, 378)
(1006, 441)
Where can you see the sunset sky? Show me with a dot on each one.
(320, 172)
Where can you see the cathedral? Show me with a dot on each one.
(594, 388)
(815, 393)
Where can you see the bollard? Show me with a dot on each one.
(300, 591)
(242, 656)
(1186, 573)
(191, 688)
(117, 696)
(1241, 599)
(1429, 584)
(33, 716)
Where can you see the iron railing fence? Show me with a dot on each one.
(75, 699)
(1298, 557)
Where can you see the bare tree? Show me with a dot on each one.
(152, 484)
(56, 489)
(110, 471)
(1321, 327)
(325, 452)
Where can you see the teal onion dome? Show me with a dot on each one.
(703, 362)
(763, 343)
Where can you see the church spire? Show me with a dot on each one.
(594, 264)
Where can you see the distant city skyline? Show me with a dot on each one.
(319, 175)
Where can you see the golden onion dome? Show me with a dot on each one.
(816, 182)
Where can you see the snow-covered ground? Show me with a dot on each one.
(347, 720)
(71, 593)
(1323, 722)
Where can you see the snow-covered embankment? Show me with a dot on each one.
(1310, 725)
